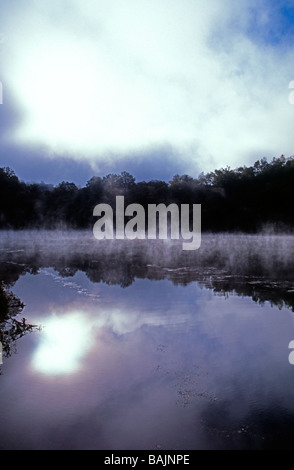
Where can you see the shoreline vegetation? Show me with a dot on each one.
(246, 199)
(11, 328)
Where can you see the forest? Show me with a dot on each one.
(246, 199)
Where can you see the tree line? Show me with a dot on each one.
(244, 199)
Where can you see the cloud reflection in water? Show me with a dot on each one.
(68, 336)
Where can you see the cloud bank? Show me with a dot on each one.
(102, 80)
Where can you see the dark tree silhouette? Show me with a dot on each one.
(11, 329)
(242, 199)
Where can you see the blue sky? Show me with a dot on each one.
(147, 86)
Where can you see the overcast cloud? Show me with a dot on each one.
(104, 80)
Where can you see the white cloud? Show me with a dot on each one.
(118, 77)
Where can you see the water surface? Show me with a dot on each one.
(142, 346)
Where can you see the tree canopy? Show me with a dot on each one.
(245, 198)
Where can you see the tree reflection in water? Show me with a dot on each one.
(256, 266)
(11, 329)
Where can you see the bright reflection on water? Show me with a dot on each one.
(156, 364)
(63, 344)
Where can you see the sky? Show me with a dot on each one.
(152, 87)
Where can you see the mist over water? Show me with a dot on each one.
(140, 331)
(265, 254)
(222, 258)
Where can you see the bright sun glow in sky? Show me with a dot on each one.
(102, 79)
